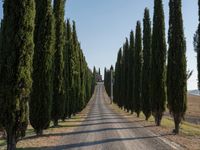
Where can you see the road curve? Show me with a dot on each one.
(104, 129)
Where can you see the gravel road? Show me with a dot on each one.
(104, 129)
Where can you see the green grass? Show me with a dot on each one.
(2, 142)
(186, 128)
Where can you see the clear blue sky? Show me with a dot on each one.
(102, 26)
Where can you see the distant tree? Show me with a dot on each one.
(176, 70)
(138, 68)
(42, 89)
(107, 82)
(58, 102)
(99, 71)
(158, 74)
(146, 70)
(16, 67)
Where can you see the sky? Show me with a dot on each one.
(103, 25)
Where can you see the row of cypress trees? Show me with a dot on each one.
(143, 80)
(107, 80)
(44, 75)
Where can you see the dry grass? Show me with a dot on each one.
(51, 136)
(193, 106)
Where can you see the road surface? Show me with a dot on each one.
(104, 129)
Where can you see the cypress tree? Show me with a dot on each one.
(197, 47)
(69, 64)
(99, 71)
(76, 70)
(58, 83)
(158, 63)
(131, 71)
(176, 70)
(117, 83)
(94, 78)
(121, 80)
(146, 69)
(15, 76)
(1, 40)
(42, 89)
(138, 68)
(82, 79)
(198, 51)
(128, 79)
(89, 91)
(126, 74)
(68, 75)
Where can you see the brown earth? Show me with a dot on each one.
(193, 110)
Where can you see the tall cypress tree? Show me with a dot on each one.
(76, 69)
(131, 71)
(41, 96)
(117, 83)
(82, 79)
(68, 70)
(198, 52)
(15, 77)
(158, 63)
(99, 71)
(126, 74)
(1, 40)
(58, 84)
(176, 70)
(146, 69)
(197, 47)
(138, 68)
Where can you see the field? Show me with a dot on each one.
(193, 111)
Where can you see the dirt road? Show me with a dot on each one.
(104, 129)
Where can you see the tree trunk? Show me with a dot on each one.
(63, 119)
(132, 112)
(39, 132)
(147, 116)
(158, 118)
(138, 115)
(177, 120)
(11, 140)
(55, 122)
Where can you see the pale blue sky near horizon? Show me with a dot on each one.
(102, 26)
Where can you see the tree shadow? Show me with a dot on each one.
(93, 143)
(81, 132)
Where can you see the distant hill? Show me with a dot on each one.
(194, 92)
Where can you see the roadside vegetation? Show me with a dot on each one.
(44, 76)
(148, 77)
